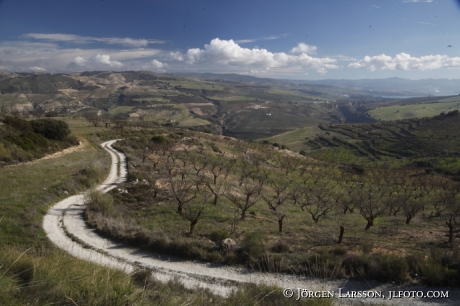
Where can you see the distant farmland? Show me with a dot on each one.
(399, 112)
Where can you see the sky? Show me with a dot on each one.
(292, 39)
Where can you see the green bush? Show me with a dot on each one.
(18, 123)
(159, 140)
(254, 245)
(51, 128)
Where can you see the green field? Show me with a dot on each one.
(120, 110)
(295, 94)
(414, 111)
(190, 121)
(196, 85)
(11, 99)
(156, 99)
(295, 140)
(234, 98)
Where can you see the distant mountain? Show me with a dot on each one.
(399, 86)
(377, 87)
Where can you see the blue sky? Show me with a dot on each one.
(296, 39)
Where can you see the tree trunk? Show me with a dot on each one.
(342, 230)
(192, 226)
(408, 220)
(451, 230)
(280, 224)
(370, 222)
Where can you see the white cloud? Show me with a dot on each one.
(158, 64)
(414, 1)
(304, 48)
(404, 61)
(175, 56)
(37, 69)
(99, 61)
(228, 53)
(321, 71)
(104, 59)
(250, 40)
(79, 61)
(71, 38)
(22, 54)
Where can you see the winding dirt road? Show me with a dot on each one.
(65, 227)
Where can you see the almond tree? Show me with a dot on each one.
(321, 200)
(370, 203)
(276, 197)
(216, 187)
(246, 195)
(193, 209)
(182, 190)
(449, 197)
(413, 206)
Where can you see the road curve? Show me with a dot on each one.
(65, 227)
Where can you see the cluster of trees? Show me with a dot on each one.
(246, 176)
(22, 140)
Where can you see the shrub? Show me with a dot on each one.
(28, 141)
(159, 139)
(99, 202)
(339, 251)
(219, 235)
(51, 128)
(18, 123)
(254, 245)
(281, 247)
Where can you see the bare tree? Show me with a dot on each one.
(413, 206)
(319, 201)
(193, 209)
(94, 118)
(217, 187)
(449, 197)
(370, 203)
(182, 190)
(245, 196)
(276, 197)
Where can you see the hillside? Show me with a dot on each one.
(245, 107)
(22, 141)
(433, 141)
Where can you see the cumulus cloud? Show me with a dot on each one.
(158, 66)
(71, 38)
(304, 48)
(229, 53)
(404, 61)
(97, 61)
